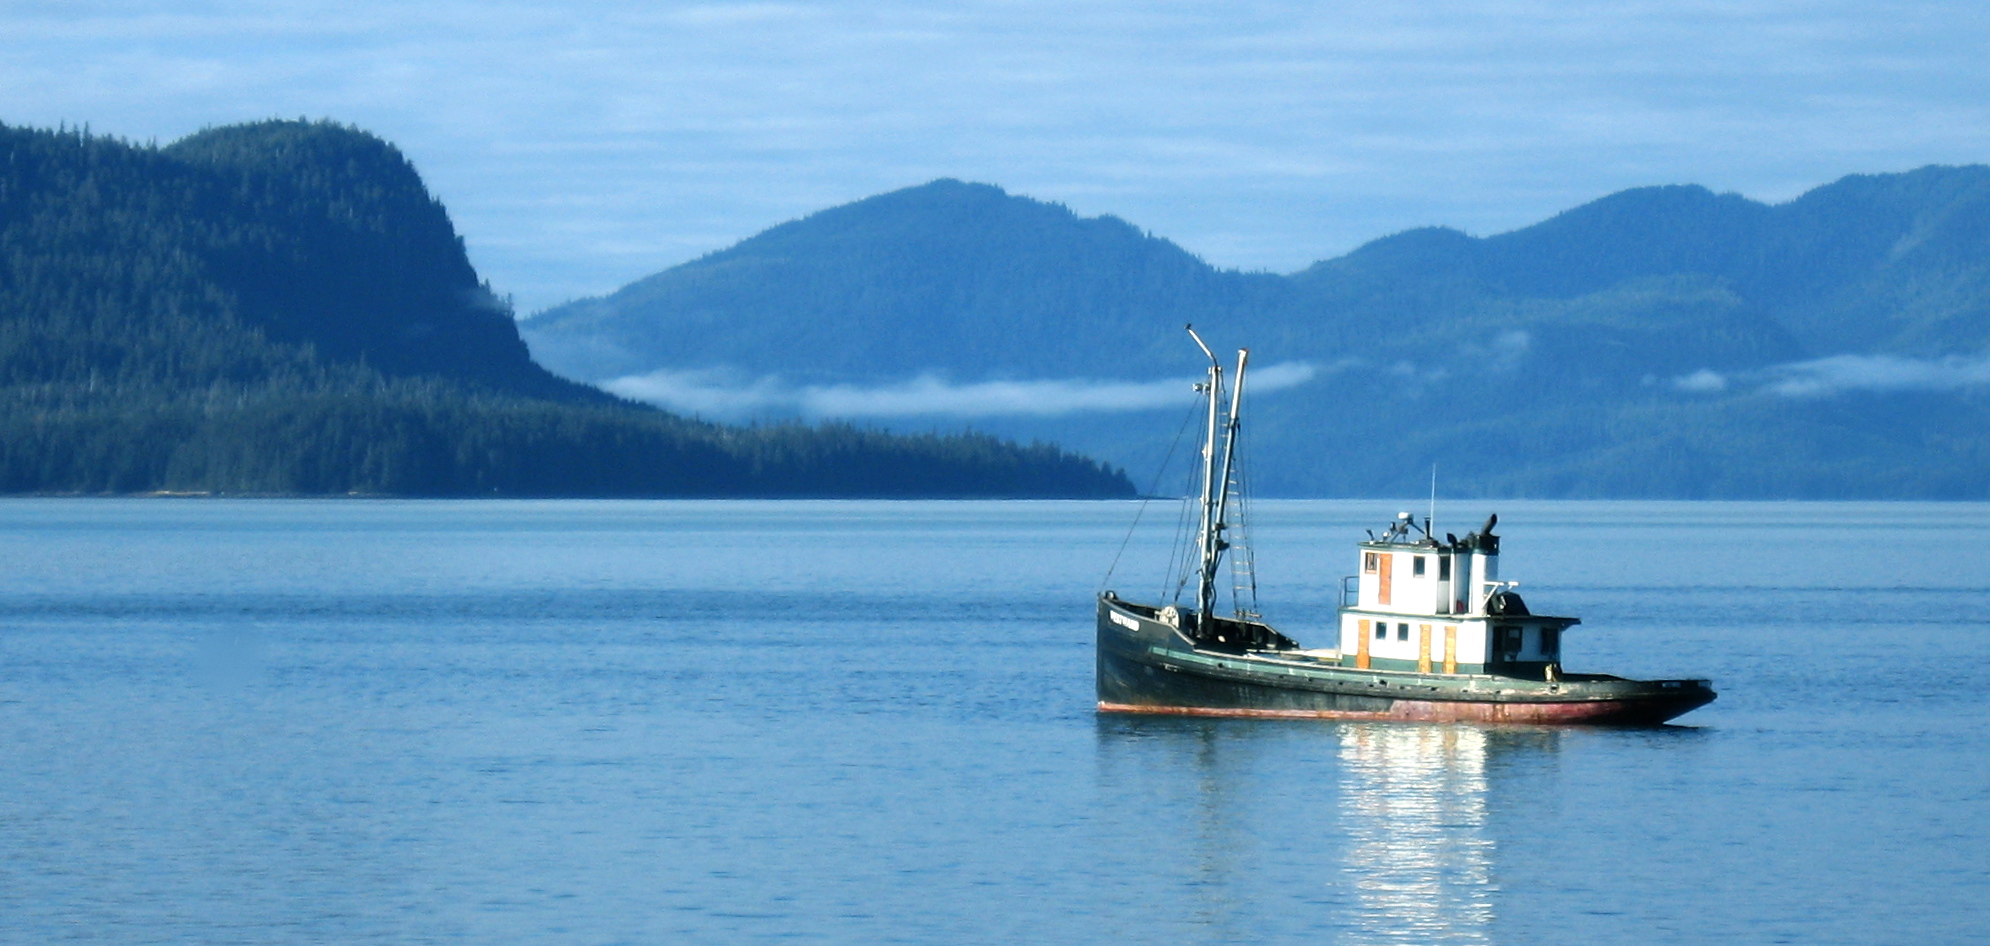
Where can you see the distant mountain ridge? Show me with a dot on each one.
(1642, 344)
(282, 308)
(847, 291)
(1895, 262)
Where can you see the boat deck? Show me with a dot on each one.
(1330, 656)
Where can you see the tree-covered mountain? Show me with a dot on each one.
(945, 276)
(1659, 342)
(282, 307)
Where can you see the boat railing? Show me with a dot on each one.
(1490, 588)
(1350, 591)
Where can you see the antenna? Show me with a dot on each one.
(1430, 522)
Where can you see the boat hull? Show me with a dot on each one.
(1146, 666)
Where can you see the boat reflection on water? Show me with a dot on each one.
(1375, 833)
(1420, 858)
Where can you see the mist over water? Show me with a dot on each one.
(724, 395)
(1839, 374)
(555, 722)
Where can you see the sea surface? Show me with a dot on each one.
(872, 722)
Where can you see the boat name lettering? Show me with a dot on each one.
(1124, 621)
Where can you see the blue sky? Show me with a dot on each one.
(583, 145)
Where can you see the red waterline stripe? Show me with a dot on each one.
(1409, 711)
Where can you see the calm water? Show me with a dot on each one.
(573, 722)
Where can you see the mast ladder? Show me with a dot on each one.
(1243, 564)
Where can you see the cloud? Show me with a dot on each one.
(1838, 374)
(1703, 381)
(1503, 352)
(724, 395)
(584, 144)
(707, 393)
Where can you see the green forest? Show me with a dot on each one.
(282, 308)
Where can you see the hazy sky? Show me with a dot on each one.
(583, 145)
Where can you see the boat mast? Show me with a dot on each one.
(1208, 544)
(1215, 479)
(1223, 482)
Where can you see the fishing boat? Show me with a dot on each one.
(1427, 629)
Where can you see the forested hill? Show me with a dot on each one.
(953, 276)
(283, 308)
(1659, 342)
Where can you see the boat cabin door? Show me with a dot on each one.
(1444, 583)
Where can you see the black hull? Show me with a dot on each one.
(1146, 666)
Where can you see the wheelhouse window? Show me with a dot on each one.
(1402, 632)
(1370, 563)
(1444, 568)
(1381, 630)
(1417, 568)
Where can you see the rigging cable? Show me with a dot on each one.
(1147, 498)
(1189, 512)
(1180, 550)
